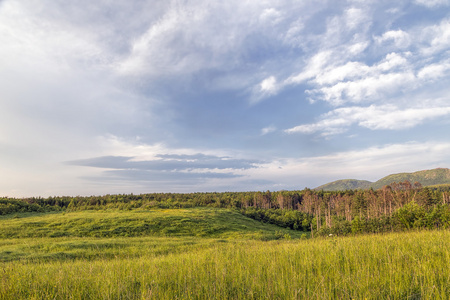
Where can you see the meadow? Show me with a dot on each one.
(210, 253)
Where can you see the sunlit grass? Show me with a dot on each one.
(230, 264)
(394, 266)
(201, 222)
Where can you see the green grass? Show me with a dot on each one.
(70, 249)
(211, 254)
(396, 266)
(200, 222)
(111, 234)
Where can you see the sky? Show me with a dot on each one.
(108, 97)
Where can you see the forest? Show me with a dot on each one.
(395, 207)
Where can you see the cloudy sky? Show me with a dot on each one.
(143, 96)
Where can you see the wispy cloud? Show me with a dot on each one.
(166, 162)
(357, 82)
(156, 163)
(343, 80)
(196, 90)
(433, 3)
(370, 163)
(386, 117)
(399, 38)
(435, 38)
(267, 130)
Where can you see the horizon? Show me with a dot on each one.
(244, 191)
(179, 97)
(437, 168)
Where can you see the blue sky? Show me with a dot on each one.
(139, 96)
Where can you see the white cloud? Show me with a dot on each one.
(370, 163)
(387, 117)
(349, 26)
(434, 71)
(356, 82)
(392, 118)
(159, 48)
(392, 61)
(269, 85)
(400, 38)
(327, 126)
(313, 68)
(44, 44)
(189, 37)
(354, 17)
(364, 89)
(267, 130)
(436, 38)
(358, 48)
(432, 3)
(293, 35)
(112, 145)
(270, 15)
(337, 73)
(350, 70)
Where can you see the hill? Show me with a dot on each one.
(439, 176)
(195, 222)
(345, 184)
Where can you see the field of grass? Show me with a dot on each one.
(229, 261)
(200, 222)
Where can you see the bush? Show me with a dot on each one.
(410, 216)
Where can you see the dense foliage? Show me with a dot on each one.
(395, 207)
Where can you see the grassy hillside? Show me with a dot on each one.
(345, 184)
(434, 177)
(194, 222)
(113, 233)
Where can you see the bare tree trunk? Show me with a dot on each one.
(329, 216)
(390, 207)
(318, 217)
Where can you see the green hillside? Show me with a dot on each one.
(200, 222)
(345, 184)
(434, 177)
(426, 178)
(82, 234)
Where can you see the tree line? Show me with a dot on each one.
(398, 206)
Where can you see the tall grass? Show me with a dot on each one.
(413, 265)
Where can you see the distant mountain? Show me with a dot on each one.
(439, 176)
(426, 178)
(345, 184)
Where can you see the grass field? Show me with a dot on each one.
(210, 254)
(200, 222)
